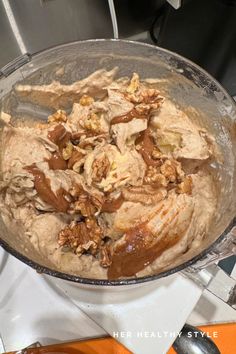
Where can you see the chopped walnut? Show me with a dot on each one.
(185, 186)
(153, 176)
(101, 168)
(90, 141)
(180, 172)
(82, 237)
(156, 154)
(87, 204)
(146, 96)
(134, 83)
(172, 170)
(58, 116)
(67, 151)
(86, 100)
(150, 96)
(145, 100)
(105, 256)
(92, 122)
(143, 109)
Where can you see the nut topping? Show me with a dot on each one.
(92, 123)
(57, 117)
(82, 237)
(185, 186)
(86, 100)
(153, 176)
(134, 84)
(149, 98)
(87, 204)
(67, 151)
(156, 153)
(105, 256)
(172, 170)
(101, 168)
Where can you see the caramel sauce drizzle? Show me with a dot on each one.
(128, 117)
(75, 157)
(43, 187)
(147, 145)
(59, 136)
(111, 205)
(138, 251)
(56, 162)
(77, 136)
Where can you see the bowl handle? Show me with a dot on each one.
(210, 276)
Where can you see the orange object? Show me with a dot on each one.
(223, 335)
(106, 345)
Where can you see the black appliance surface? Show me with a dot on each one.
(205, 32)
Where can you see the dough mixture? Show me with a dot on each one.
(114, 184)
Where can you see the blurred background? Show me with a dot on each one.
(31, 26)
(204, 31)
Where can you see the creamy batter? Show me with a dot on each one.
(113, 186)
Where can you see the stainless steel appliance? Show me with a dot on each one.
(31, 26)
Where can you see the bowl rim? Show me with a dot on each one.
(132, 280)
(118, 282)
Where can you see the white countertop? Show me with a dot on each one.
(35, 308)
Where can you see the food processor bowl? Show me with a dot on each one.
(189, 86)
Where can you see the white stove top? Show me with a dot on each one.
(30, 311)
(35, 307)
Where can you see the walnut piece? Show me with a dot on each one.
(82, 237)
(156, 153)
(92, 123)
(172, 170)
(153, 176)
(86, 100)
(87, 204)
(105, 256)
(169, 175)
(185, 186)
(58, 116)
(67, 151)
(150, 96)
(134, 83)
(145, 99)
(100, 168)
